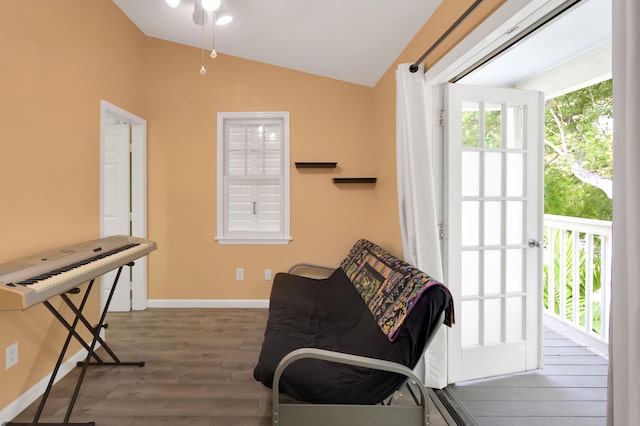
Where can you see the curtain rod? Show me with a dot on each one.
(416, 64)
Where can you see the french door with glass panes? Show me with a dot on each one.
(494, 223)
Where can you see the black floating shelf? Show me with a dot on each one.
(316, 165)
(355, 180)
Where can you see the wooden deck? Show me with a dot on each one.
(571, 389)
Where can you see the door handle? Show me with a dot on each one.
(534, 243)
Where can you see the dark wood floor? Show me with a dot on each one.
(570, 390)
(199, 371)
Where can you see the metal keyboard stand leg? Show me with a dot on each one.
(72, 333)
(71, 328)
(103, 344)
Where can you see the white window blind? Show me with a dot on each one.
(253, 178)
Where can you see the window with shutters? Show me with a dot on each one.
(253, 178)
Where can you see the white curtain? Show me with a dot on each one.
(417, 199)
(624, 344)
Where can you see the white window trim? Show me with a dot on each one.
(253, 239)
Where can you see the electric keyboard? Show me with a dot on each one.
(37, 278)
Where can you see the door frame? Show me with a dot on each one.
(138, 191)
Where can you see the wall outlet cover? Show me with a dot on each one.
(12, 355)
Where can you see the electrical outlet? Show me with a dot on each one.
(267, 274)
(239, 274)
(12, 355)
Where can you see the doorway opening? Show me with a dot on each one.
(569, 60)
(569, 52)
(123, 207)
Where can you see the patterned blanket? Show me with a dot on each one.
(390, 287)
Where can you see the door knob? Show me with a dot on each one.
(534, 243)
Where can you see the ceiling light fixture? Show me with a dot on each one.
(173, 3)
(223, 18)
(210, 5)
(200, 16)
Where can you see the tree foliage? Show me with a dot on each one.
(578, 153)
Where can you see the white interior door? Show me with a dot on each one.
(117, 206)
(123, 197)
(493, 204)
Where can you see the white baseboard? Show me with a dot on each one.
(211, 303)
(27, 398)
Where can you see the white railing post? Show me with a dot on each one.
(575, 278)
(588, 250)
(551, 270)
(606, 286)
(563, 273)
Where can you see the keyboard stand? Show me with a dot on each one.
(72, 333)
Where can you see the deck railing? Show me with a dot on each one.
(577, 273)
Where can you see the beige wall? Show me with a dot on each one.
(59, 58)
(329, 121)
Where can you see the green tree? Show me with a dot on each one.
(579, 153)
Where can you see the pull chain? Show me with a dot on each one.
(203, 70)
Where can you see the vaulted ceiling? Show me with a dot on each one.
(354, 41)
(358, 40)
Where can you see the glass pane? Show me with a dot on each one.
(493, 126)
(492, 174)
(515, 127)
(492, 223)
(470, 228)
(492, 321)
(492, 272)
(470, 273)
(240, 207)
(514, 273)
(236, 165)
(470, 323)
(255, 137)
(515, 175)
(515, 222)
(470, 123)
(514, 312)
(470, 174)
(272, 136)
(272, 162)
(235, 137)
(268, 209)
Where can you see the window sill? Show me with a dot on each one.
(256, 241)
